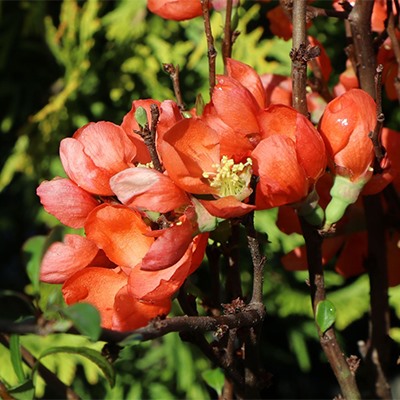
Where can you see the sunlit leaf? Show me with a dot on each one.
(24, 391)
(90, 354)
(16, 357)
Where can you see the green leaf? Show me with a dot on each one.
(90, 354)
(325, 315)
(51, 299)
(24, 391)
(214, 378)
(33, 252)
(141, 117)
(16, 358)
(85, 318)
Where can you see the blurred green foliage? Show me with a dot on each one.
(63, 64)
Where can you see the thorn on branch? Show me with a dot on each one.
(354, 363)
(304, 53)
(237, 305)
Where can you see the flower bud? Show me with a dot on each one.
(345, 127)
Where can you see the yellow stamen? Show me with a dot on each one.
(147, 165)
(231, 179)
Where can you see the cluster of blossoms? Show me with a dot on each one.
(146, 205)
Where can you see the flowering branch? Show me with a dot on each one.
(300, 55)
(328, 339)
(378, 352)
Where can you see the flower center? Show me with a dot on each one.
(231, 179)
(147, 165)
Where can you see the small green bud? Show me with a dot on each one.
(344, 192)
(141, 117)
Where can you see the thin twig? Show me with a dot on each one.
(257, 258)
(314, 12)
(4, 394)
(212, 53)
(380, 118)
(173, 72)
(360, 24)
(328, 339)
(227, 41)
(231, 253)
(300, 54)
(149, 137)
(299, 57)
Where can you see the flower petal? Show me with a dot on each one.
(97, 286)
(169, 247)
(69, 203)
(282, 179)
(147, 189)
(96, 153)
(159, 284)
(131, 313)
(190, 148)
(62, 260)
(248, 77)
(233, 113)
(227, 207)
(120, 232)
(82, 170)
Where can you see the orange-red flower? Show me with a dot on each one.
(289, 159)
(192, 157)
(177, 10)
(122, 258)
(345, 126)
(90, 158)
